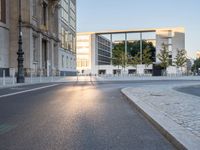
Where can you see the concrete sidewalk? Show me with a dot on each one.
(175, 114)
(144, 78)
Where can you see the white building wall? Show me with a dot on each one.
(172, 36)
(4, 47)
(178, 42)
(94, 54)
(85, 53)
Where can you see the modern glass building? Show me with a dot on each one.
(96, 48)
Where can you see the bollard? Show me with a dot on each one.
(13, 77)
(31, 77)
(4, 79)
(52, 78)
(40, 77)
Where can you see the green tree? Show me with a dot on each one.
(134, 61)
(133, 48)
(117, 57)
(180, 58)
(196, 66)
(163, 56)
(146, 56)
(133, 53)
(124, 60)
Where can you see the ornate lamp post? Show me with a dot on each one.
(20, 53)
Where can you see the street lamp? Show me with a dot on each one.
(20, 53)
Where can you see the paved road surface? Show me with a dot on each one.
(79, 116)
(194, 90)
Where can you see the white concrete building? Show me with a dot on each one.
(94, 49)
(174, 38)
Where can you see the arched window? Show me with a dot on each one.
(3, 11)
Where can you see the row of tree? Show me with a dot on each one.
(179, 61)
(133, 57)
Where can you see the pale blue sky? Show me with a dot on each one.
(100, 15)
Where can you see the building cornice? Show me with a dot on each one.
(41, 31)
(175, 29)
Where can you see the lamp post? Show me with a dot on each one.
(20, 53)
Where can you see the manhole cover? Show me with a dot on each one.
(156, 95)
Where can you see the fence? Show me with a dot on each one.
(11, 81)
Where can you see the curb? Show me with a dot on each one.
(177, 135)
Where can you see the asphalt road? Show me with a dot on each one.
(193, 90)
(80, 116)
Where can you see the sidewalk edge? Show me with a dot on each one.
(173, 132)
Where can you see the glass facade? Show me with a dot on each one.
(68, 13)
(64, 11)
(68, 29)
(67, 40)
(67, 36)
(72, 15)
(104, 54)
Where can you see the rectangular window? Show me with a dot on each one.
(64, 11)
(67, 62)
(35, 58)
(3, 11)
(0, 9)
(34, 8)
(65, 39)
(44, 13)
(74, 44)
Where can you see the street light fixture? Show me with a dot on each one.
(20, 53)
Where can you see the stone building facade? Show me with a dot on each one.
(40, 35)
(43, 43)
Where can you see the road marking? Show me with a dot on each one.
(6, 128)
(30, 90)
